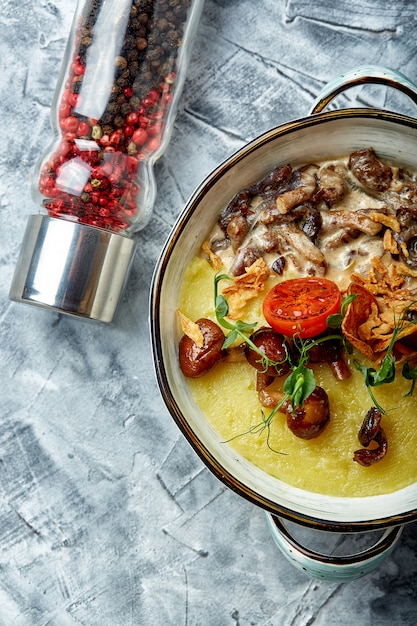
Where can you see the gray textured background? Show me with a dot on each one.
(107, 518)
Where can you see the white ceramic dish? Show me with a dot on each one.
(317, 137)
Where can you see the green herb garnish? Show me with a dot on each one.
(298, 385)
(410, 373)
(335, 320)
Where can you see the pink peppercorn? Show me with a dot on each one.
(69, 123)
(73, 99)
(113, 144)
(83, 129)
(79, 68)
(139, 136)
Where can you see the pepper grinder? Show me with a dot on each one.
(112, 117)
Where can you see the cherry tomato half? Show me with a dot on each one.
(301, 306)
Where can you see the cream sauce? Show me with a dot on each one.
(345, 248)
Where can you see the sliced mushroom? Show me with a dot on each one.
(371, 432)
(406, 216)
(278, 181)
(239, 205)
(370, 171)
(302, 192)
(407, 245)
(245, 257)
(334, 220)
(299, 242)
(332, 181)
(237, 230)
(196, 360)
(308, 218)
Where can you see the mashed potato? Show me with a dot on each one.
(324, 465)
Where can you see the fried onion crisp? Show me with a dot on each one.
(404, 270)
(386, 220)
(191, 329)
(390, 245)
(375, 313)
(214, 260)
(246, 287)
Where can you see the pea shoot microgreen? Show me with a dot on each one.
(335, 320)
(259, 428)
(410, 373)
(298, 385)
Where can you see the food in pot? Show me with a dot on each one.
(315, 295)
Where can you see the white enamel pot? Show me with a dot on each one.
(321, 135)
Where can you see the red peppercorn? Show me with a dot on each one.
(128, 92)
(139, 136)
(83, 129)
(64, 109)
(155, 129)
(156, 115)
(64, 148)
(115, 137)
(107, 168)
(79, 68)
(132, 118)
(73, 99)
(132, 164)
(148, 102)
(70, 123)
(66, 94)
(153, 144)
(97, 172)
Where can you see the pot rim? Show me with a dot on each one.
(211, 462)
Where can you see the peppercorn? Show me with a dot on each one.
(131, 124)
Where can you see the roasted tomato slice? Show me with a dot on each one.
(301, 306)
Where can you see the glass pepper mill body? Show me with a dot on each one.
(113, 113)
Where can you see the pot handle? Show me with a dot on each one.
(331, 567)
(361, 76)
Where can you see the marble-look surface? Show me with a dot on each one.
(107, 517)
